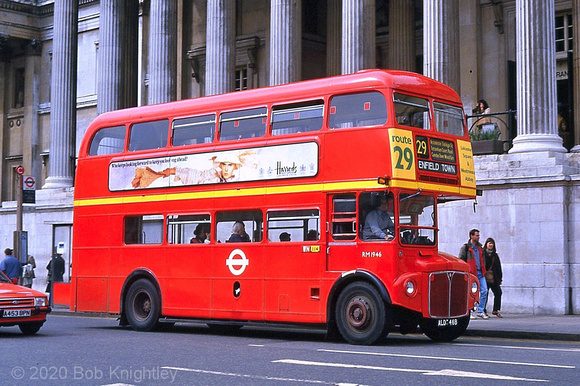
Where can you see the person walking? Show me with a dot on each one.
(493, 275)
(28, 272)
(472, 253)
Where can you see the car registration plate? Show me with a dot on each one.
(16, 313)
(446, 322)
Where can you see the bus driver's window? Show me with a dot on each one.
(417, 219)
(377, 216)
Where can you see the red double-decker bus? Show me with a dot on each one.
(309, 203)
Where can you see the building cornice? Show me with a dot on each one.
(35, 7)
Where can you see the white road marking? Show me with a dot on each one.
(486, 376)
(448, 358)
(448, 373)
(255, 345)
(519, 347)
(250, 376)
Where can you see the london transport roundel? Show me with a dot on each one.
(237, 262)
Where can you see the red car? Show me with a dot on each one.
(22, 306)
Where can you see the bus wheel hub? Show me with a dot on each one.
(358, 312)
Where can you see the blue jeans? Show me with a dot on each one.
(482, 293)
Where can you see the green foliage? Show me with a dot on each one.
(477, 134)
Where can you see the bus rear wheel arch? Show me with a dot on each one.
(362, 316)
(142, 305)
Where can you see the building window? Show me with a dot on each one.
(18, 88)
(241, 79)
(564, 35)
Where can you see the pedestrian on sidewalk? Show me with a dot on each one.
(11, 266)
(493, 275)
(472, 253)
(28, 272)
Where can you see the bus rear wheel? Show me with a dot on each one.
(361, 314)
(444, 334)
(142, 305)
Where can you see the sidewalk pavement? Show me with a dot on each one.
(527, 326)
(512, 326)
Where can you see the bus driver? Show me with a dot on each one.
(378, 224)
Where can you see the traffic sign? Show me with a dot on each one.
(19, 169)
(29, 183)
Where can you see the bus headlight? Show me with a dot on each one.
(474, 288)
(40, 302)
(410, 287)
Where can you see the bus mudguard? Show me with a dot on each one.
(139, 273)
(350, 277)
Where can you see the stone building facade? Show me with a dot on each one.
(64, 62)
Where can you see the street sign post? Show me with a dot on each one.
(28, 190)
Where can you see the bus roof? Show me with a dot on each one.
(304, 90)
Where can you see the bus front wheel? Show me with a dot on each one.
(361, 314)
(142, 305)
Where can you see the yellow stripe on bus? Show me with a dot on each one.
(322, 187)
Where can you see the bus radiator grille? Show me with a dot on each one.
(448, 294)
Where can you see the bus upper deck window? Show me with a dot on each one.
(297, 118)
(411, 111)
(109, 140)
(192, 131)
(149, 135)
(448, 119)
(243, 124)
(358, 110)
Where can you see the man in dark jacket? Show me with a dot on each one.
(55, 269)
(472, 253)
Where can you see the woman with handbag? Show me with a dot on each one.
(493, 275)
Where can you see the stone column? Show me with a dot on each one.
(110, 57)
(441, 41)
(162, 51)
(130, 47)
(401, 35)
(31, 140)
(333, 38)
(537, 122)
(576, 72)
(358, 35)
(285, 41)
(221, 47)
(63, 95)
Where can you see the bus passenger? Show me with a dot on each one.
(201, 233)
(285, 236)
(312, 235)
(239, 234)
(378, 223)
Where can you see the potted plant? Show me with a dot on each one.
(484, 139)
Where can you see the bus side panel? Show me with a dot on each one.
(374, 161)
(92, 294)
(293, 288)
(238, 292)
(95, 182)
(92, 262)
(188, 293)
